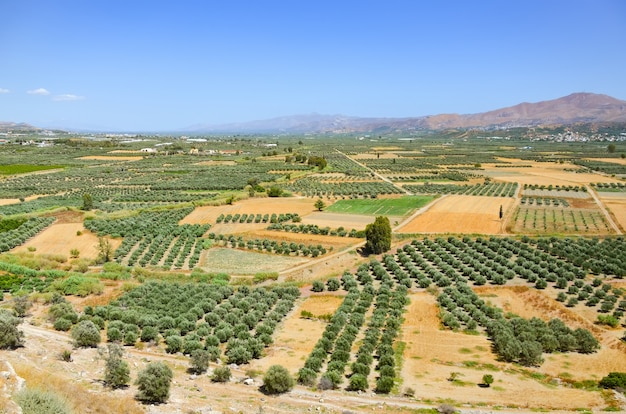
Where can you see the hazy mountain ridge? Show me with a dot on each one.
(571, 109)
(17, 127)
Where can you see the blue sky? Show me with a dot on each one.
(154, 65)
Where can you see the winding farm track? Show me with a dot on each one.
(600, 204)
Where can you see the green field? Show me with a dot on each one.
(25, 168)
(381, 207)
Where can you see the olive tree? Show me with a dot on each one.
(154, 383)
(277, 380)
(10, 336)
(86, 334)
(116, 370)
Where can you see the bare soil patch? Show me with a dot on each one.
(63, 236)
(460, 214)
(295, 337)
(431, 355)
(111, 158)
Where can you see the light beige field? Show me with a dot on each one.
(616, 204)
(431, 355)
(110, 158)
(62, 236)
(8, 201)
(539, 173)
(335, 220)
(295, 337)
(461, 214)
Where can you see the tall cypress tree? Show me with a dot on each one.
(378, 236)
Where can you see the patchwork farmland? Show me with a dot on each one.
(503, 262)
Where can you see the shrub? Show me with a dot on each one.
(488, 379)
(199, 362)
(333, 284)
(34, 401)
(86, 334)
(614, 380)
(62, 324)
(66, 355)
(221, 374)
(318, 286)
(10, 336)
(116, 370)
(154, 383)
(277, 380)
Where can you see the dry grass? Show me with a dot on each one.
(78, 394)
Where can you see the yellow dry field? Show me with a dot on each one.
(461, 214)
(110, 158)
(431, 355)
(208, 214)
(62, 236)
(295, 338)
(541, 173)
(8, 201)
(617, 207)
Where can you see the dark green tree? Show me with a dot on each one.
(87, 202)
(319, 204)
(611, 148)
(614, 380)
(378, 236)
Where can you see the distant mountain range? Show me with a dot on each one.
(17, 127)
(571, 109)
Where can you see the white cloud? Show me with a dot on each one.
(68, 97)
(40, 91)
(2, 90)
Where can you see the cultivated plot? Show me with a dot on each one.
(461, 214)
